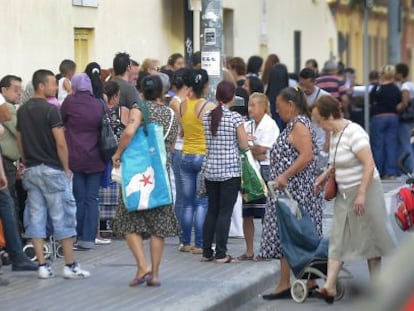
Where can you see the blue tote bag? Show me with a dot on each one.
(145, 181)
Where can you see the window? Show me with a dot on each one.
(88, 3)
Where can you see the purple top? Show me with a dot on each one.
(82, 116)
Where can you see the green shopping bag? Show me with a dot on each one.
(253, 187)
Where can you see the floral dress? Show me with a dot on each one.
(160, 221)
(282, 156)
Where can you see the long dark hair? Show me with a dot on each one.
(93, 70)
(296, 95)
(224, 94)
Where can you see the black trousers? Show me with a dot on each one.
(222, 196)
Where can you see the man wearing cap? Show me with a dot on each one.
(332, 83)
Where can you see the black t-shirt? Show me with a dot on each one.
(35, 121)
(385, 99)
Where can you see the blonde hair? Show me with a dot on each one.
(388, 72)
(149, 63)
(261, 99)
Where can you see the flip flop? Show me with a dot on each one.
(138, 281)
(152, 283)
(244, 257)
(229, 259)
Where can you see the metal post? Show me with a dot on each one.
(394, 32)
(366, 66)
(211, 44)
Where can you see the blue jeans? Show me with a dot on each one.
(10, 229)
(194, 210)
(176, 167)
(48, 193)
(404, 134)
(384, 143)
(86, 192)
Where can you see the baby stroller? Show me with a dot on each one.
(305, 251)
(404, 215)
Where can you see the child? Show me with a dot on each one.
(67, 69)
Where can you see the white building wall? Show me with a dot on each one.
(39, 34)
(312, 18)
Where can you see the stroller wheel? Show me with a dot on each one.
(340, 290)
(59, 251)
(299, 291)
(47, 250)
(28, 250)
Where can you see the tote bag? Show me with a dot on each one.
(108, 142)
(253, 187)
(145, 181)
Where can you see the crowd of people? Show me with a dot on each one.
(299, 128)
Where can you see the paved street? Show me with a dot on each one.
(187, 284)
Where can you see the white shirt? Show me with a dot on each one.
(62, 93)
(408, 86)
(2, 100)
(348, 172)
(320, 133)
(265, 133)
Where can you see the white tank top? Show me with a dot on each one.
(62, 93)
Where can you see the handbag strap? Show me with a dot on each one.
(145, 115)
(171, 123)
(337, 144)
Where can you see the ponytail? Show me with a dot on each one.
(216, 115)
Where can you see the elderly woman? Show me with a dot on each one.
(293, 161)
(82, 116)
(154, 224)
(225, 134)
(262, 133)
(358, 226)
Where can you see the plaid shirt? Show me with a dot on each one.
(222, 159)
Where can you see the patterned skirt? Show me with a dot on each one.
(160, 221)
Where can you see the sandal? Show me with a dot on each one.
(138, 281)
(228, 259)
(207, 259)
(259, 258)
(152, 283)
(244, 257)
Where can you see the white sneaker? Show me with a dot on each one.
(102, 241)
(75, 272)
(45, 272)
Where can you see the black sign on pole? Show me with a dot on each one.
(211, 42)
(188, 34)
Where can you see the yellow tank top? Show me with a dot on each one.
(194, 139)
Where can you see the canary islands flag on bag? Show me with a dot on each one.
(145, 181)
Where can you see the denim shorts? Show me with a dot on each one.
(49, 191)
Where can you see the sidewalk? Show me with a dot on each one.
(187, 283)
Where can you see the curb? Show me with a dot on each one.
(232, 293)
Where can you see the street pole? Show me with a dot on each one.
(394, 32)
(367, 5)
(211, 43)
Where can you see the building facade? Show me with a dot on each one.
(350, 25)
(39, 34)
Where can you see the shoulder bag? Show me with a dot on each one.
(108, 141)
(145, 181)
(331, 187)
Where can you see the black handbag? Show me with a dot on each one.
(108, 141)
